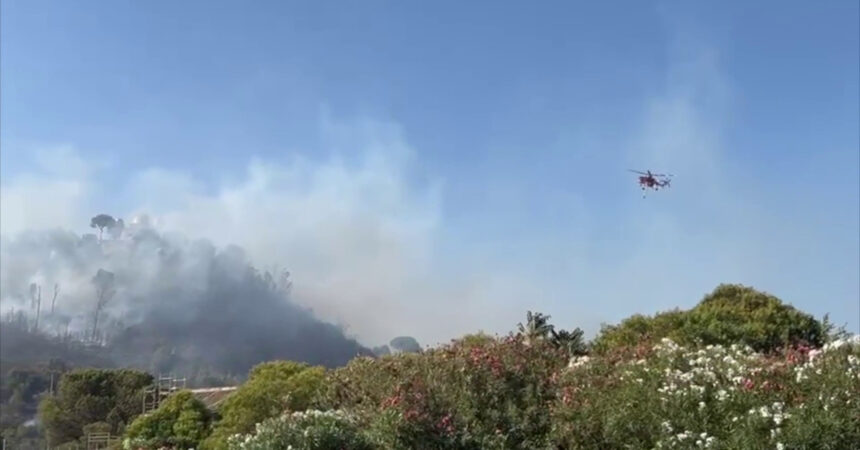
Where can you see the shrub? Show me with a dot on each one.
(480, 393)
(89, 396)
(309, 430)
(716, 397)
(181, 422)
(271, 389)
(730, 314)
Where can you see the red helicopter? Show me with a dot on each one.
(653, 180)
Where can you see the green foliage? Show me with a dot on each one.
(537, 327)
(730, 314)
(750, 372)
(181, 422)
(480, 393)
(310, 430)
(89, 396)
(271, 389)
(716, 397)
(20, 390)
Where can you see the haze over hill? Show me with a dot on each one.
(163, 302)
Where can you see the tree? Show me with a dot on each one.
(271, 389)
(104, 284)
(36, 302)
(54, 298)
(181, 422)
(571, 341)
(88, 396)
(730, 314)
(405, 344)
(536, 327)
(102, 221)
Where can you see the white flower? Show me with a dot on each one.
(780, 446)
(578, 361)
(701, 406)
(667, 427)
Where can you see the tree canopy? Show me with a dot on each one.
(181, 422)
(271, 389)
(88, 396)
(406, 344)
(732, 313)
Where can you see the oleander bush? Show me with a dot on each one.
(304, 430)
(739, 371)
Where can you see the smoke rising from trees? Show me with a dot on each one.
(163, 302)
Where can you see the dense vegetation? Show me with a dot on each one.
(271, 389)
(731, 314)
(739, 370)
(182, 421)
(86, 397)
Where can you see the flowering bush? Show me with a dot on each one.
(477, 393)
(715, 397)
(753, 386)
(490, 393)
(308, 430)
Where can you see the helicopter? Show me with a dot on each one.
(648, 180)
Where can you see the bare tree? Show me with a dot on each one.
(54, 299)
(36, 302)
(284, 283)
(33, 289)
(105, 290)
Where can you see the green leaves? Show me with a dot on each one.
(181, 422)
(730, 314)
(271, 389)
(89, 396)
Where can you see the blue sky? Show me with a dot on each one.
(482, 147)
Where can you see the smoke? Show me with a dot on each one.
(355, 236)
(165, 303)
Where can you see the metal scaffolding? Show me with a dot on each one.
(154, 395)
(101, 441)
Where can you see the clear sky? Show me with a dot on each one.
(427, 166)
